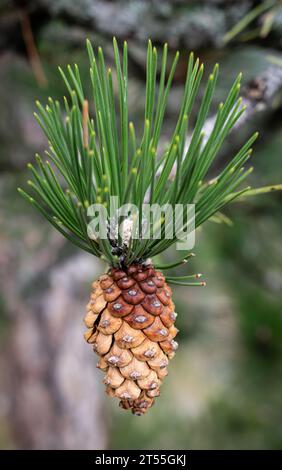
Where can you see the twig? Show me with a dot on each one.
(31, 49)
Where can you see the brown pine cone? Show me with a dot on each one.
(130, 320)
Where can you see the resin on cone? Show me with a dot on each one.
(130, 320)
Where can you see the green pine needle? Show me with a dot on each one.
(92, 158)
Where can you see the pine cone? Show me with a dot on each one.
(130, 320)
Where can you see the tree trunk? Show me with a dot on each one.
(57, 400)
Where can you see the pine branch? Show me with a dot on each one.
(96, 157)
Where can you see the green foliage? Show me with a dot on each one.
(270, 6)
(91, 159)
(261, 321)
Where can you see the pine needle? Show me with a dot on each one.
(92, 158)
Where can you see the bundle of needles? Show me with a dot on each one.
(130, 316)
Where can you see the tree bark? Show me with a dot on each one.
(57, 399)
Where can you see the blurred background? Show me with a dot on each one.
(224, 389)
